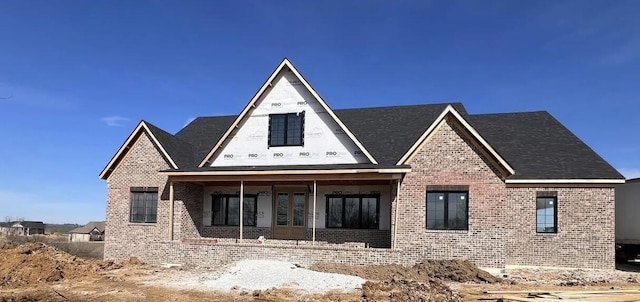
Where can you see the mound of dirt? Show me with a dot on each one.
(422, 282)
(448, 270)
(33, 263)
(382, 272)
(454, 270)
(404, 290)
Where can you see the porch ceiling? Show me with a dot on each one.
(364, 182)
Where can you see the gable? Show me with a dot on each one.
(142, 130)
(451, 153)
(325, 139)
(450, 114)
(378, 129)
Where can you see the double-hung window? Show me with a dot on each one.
(547, 212)
(226, 210)
(286, 129)
(353, 211)
(144, 204)
(447, 210)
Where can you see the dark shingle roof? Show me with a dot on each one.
(388, 132)
(535, 144)
(30, 224)
(89, 227)
(180, 151)
(203, 133)
(540, 147)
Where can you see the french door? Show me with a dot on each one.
(290, 208)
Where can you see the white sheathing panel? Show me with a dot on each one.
(324, 140)
(627, 209)
(265, 206)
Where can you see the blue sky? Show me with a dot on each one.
(77, 76)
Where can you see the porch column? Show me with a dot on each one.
(171, 210)
(315, 195)
(241, 207)
(395, 223)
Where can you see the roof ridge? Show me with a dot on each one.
(399, 106)
(505, 113)
(203, 117)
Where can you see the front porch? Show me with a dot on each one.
(334, 211)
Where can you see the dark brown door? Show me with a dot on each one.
(290, 215)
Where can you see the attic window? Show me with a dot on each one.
(286, 129)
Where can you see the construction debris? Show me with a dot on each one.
(593, 296)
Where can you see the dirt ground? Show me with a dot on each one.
(38, 272)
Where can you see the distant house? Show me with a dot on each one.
(23, 228)
(93, 231)
(4, 228)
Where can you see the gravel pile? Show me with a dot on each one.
(249, 275)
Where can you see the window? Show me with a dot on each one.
(447, 210)
(144, 204)
(546, 212)
(226, 210)
(352, 211)
(286, 129)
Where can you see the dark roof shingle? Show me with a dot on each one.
(202, 134)
(89, 227)
(535, 144)
(540, 147)
(388, 132)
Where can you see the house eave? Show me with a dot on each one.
(565, 181)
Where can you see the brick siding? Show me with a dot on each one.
(366, 238)
(585, 237)
(451, 159)
(501, 220)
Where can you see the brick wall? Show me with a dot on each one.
(214, 254)
(450, 158)
(585, 238)
(501, 220)
(248, 232)
(139, 168)
(369, 238)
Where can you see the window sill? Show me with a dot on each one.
(448, 231)
(546, 234)
(143, 223)
(278, 146)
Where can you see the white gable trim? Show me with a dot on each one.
(267, 84)
(127, 146)
(450, 110)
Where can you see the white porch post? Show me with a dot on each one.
(241, 207)
(171, 210)
(397, 207)
(315, 195)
